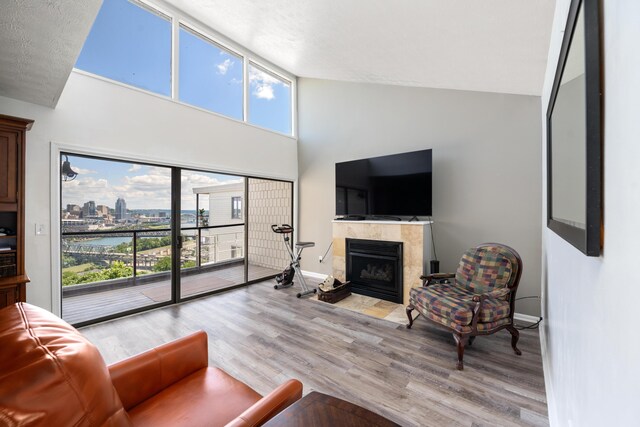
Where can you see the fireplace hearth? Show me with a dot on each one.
(374, 268)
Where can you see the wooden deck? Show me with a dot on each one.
(82, 308)
(264, 336)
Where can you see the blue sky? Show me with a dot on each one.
(142, 186)
(132, 45)
(210, 77)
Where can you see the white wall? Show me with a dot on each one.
(102, 117)
(486, 163)
(591, 350)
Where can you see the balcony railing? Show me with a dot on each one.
(95, 253)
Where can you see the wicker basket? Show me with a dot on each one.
(340, 292)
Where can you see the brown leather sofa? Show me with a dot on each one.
(50, 375)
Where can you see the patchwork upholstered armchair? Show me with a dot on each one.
(476, 300)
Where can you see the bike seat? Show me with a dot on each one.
(301, 245)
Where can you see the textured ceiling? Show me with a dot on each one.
(488, 45)
(39, 43)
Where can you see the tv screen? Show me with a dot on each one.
(395, 185)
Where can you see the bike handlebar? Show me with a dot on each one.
(282, 229)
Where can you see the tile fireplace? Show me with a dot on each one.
(374, 268)
(414, 260)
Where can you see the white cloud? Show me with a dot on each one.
(135, 168)
(150, 190)
(224, 66)
(262, 83)
(264, 92)
(82, 171)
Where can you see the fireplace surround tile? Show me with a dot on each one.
(415, 237)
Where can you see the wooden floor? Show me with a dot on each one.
(263, 336)
(82, 308)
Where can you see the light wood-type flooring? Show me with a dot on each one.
(263, 336)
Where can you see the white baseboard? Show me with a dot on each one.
(525, 318)
(314, 275)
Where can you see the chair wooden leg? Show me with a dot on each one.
(409, 310)
(515, 336)
(461, 341)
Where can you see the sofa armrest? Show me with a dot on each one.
(426, 280)
(139, 377)
(269, 406)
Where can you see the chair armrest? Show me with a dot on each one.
(140, 377)
(269, 406)
(427, 279)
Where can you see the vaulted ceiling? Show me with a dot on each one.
(489, 45)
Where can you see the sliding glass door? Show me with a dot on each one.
(212, 232)
(115, 238)
(137, 236)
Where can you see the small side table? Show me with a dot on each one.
(321, 410)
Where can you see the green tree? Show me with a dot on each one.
(163, 264)
(70, 278)
(118, 269)
(188, 264)
(122, 248)
(68, 261)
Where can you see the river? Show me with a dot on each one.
(104, 241)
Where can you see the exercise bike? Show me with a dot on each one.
(285, 279)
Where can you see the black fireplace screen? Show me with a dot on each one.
(374, 268)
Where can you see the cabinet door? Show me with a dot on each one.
(9, 296)
(8, 167)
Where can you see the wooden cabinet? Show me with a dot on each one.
(13, 278)
(9, 148)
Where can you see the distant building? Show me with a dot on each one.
(121, 209)
(102, 210)
(73, 208)
(89, 209)
(225, 208)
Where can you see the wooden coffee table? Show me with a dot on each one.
(320, 410)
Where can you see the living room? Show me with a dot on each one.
(480, 105)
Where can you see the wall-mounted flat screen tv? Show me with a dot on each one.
(394, 185)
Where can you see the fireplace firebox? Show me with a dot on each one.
(374, 268)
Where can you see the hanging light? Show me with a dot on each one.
(67, 173)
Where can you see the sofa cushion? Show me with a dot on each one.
(51, 375)
(208, 397)
(454, 303)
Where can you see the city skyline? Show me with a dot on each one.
(142, 186)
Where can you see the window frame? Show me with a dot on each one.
(272, 73)
(162, 14)
(179, 19)
(236, 213)
(195, 31)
